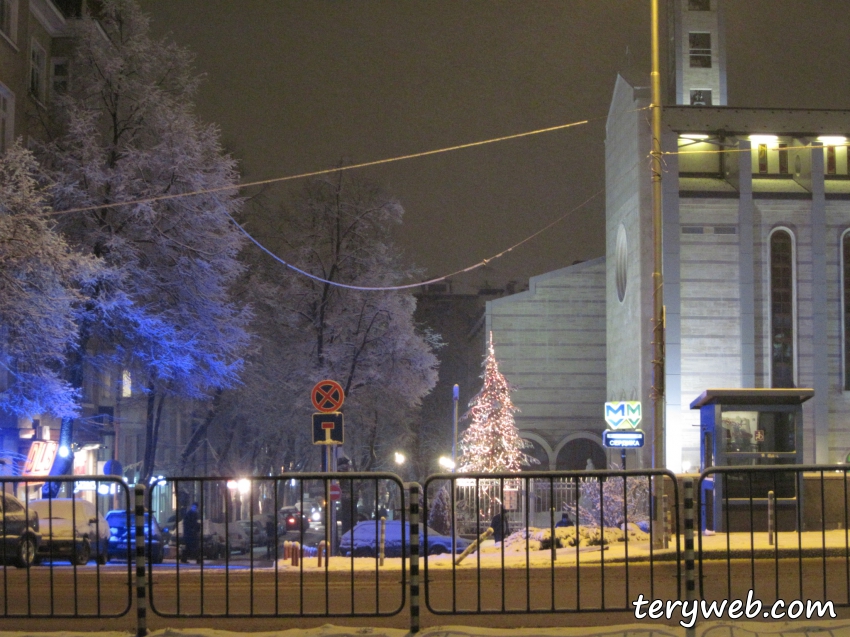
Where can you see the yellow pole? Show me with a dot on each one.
(657, 394)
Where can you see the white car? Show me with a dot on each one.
(72, 529)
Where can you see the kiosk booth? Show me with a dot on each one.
(749, 427)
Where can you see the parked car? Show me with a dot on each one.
(258, 532)
(19, 525)
(291, 519)
(367, 535)
(234, 536)
(72, 529)
(118, 537)
(213, 539)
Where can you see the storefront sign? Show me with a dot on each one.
(40, 458)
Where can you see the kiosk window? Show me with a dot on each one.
(759, 432)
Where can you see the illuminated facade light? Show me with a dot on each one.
(693, 136)
(832, 140)
(764, 139)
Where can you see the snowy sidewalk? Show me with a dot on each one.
(833, 628)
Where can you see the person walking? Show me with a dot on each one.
(190, 533)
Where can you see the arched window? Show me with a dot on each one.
(845, 304)
(781, 309)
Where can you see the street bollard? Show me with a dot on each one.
(323, 548)
(383, 541)
(771, 517)
(295, 552)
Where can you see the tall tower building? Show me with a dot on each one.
(697, 53)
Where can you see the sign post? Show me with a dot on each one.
(327, 397)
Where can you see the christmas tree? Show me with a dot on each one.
(492, 442)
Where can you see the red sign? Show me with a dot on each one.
(40, 458)
(327, 396)
(336, 492)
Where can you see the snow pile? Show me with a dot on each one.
(541, 539)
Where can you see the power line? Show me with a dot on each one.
(326, 171)
(409, 286)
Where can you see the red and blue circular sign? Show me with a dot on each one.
(327, 396)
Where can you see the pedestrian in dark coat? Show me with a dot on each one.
(191, 532)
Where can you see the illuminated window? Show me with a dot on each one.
(700, 97)
(700, 45)
(783, 159)
(126, 384)
(38, 71)
(845, 302)
(762, 157)
(831, 162)
(699, 5)
(781, 309)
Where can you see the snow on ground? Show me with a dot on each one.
(638, 548)
(834, 628)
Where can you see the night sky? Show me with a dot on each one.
(300, 85)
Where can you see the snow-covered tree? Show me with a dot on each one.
(338, 228)
(128, 132)
(492, 442)
(43, 285)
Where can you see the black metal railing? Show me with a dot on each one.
(297, 545)
(569, 542)
(55, 547)
(780, 531)
(549, 542)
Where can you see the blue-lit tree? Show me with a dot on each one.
(127, 131)
(43, 286)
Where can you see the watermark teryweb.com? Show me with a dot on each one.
(733, 609)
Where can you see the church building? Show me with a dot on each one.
(756, 266)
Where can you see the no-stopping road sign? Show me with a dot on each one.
(327, 396)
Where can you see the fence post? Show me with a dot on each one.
(666, 515)
(413, 489)
(690, 591)
(771, 517)
(383, 541)
(141, 579)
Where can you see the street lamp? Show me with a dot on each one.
(399, 458)
(446, 463)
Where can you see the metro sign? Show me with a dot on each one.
(623, 439)
(623, 415)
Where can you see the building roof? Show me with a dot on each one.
(793, 396)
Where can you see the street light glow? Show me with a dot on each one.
(446, 463)
(399, 458)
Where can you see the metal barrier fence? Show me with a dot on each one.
(780, 531)
(595, 552)
(272, 547)
(52, 529)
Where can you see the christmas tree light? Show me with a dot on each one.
(492, 442)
